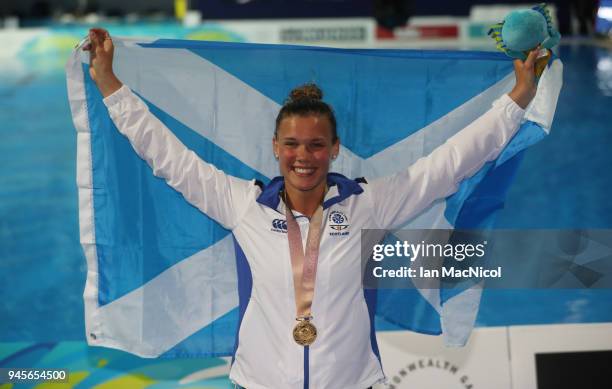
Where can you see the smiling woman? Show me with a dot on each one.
(305, 142)
(288, 336)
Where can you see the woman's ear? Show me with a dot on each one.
(275, 147)
(335, 149)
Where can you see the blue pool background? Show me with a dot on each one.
(563, 182)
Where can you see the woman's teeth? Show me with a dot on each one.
(303, 170)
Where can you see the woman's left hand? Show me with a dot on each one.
(525, 87)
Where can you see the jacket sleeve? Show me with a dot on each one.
(402, 196)
(222, 197)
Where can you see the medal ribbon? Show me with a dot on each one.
(304, 262)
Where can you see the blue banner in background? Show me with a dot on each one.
(277, 9)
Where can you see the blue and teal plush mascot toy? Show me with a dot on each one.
(525, 29)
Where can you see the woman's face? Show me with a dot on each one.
(304, 148)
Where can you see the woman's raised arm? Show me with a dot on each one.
(400, 197)
(220, 196)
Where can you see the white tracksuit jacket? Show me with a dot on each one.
(345, 354)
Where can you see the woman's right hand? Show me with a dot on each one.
(101, 51)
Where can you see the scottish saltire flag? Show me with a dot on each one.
(161, 277)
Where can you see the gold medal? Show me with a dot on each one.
(304, 332)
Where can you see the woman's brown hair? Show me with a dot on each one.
(307, 100)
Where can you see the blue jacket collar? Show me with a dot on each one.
(270, 195)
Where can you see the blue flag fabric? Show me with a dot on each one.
(161, 277)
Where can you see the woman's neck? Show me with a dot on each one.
(305, 202)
